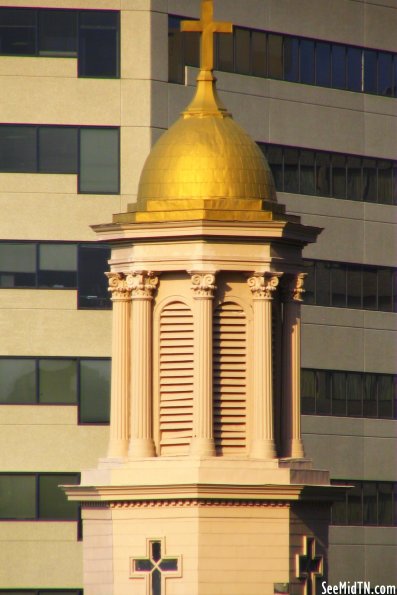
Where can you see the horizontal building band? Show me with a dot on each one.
(57, 265)
(90, 152)
(330, 174)
(346, 285)
(289, 58)
(344, 393)
(58, 381)
(368, 503)
(91, 36)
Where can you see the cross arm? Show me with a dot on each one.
(191, 26)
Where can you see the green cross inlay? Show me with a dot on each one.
(309, 566)
(155, 566)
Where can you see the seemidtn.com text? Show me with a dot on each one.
(357, 588)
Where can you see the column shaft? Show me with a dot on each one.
(119, 403)
(293, 446)
(202, 443)
(262, 443)
(141, 439)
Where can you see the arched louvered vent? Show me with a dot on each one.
(230, 378)
(176, 378)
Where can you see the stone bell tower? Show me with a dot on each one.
(205, 488)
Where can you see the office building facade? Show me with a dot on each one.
(84, 95)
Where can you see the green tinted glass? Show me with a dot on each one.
(94, 391)
(57, 381)
(17, 380)
(53, 503)
(17, 496)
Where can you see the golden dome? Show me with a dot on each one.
(205, 158)
(205, 166)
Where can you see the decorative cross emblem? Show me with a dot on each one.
(207, 27)
(308, 565)
(156, 567)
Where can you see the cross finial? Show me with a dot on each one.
(207, 27)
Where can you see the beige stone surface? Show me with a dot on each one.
(84, 333)
(45, 553)
(46, 430)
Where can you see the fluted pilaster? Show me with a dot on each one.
(202, 444)
(120, 383)
(262, 443)
(142, 285)
(291, 410)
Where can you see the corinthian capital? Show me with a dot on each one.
(203, 285)
(118, 286)
(142, 284)
(293, 289)
(263, 286)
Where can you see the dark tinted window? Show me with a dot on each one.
(339, 66)
(18, 148)
(338, 176)
(354, 178)
(57, 380)
(258, 49)
(291, 170)
(307, 172)
(58, 149)
(370, 180)
(57, 32)
(18, 496)
(369, 289)
(323, 64)
(338, 285)
(323, 174)
(354, 56)
(94, 391)
(98, 44)
(385, 182)
(275, 56)
(385, 73)
(53, 504)
(370, 71)
(307, 61)
(17, 380)
(53, 32)
(225, 52)
(354, 287)
(17, 31)
(291, 59)
(243, 51)
(92, 283)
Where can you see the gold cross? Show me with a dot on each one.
(207, 27)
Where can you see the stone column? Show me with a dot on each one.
(262, 443)
(202, 444)
(291, 351)
(120, 379)
(142, 285)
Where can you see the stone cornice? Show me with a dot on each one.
(174, 231)
(202, 492)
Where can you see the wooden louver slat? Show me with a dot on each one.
(230, 378)
(176, 378)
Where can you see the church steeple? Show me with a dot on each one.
(205, 446)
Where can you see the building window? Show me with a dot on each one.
(353, 394)
(91, 153)
(53, 265)
(36, 496)
(290, 58)
(336, 175)
(345, 285)
(369, 503)
(58, 381)
(91, 36)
